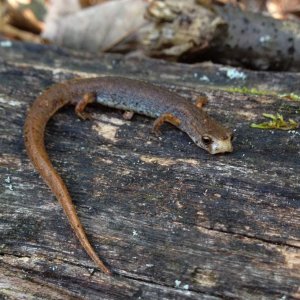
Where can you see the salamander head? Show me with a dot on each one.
(214, 144)
(208, 134)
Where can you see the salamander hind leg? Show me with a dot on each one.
(81, 105)
(128, 115)
(168, 117)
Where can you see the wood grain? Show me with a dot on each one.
(172, 221)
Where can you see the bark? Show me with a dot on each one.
(172, 221)
(187, 31)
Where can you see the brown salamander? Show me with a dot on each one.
(121, 93)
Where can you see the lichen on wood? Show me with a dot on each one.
(189, 31)
(179, 27)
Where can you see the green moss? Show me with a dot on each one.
(254, 91)
(277, 122)
(290, 96)
(249, 91)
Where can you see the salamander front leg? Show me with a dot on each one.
(168, 117)
(81, 105)
(201, 102)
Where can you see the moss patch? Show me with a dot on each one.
(276, 122)
(255, 91)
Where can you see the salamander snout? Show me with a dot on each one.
(214, 144)
(221, 146)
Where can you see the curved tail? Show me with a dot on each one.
(41, 111)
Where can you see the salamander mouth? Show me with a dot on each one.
(221, 147)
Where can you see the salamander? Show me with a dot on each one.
(120, 93)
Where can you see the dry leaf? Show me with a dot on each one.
(98, 27)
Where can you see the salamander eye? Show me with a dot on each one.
(206, 140)
(232, 137)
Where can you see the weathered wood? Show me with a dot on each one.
(190, 31)
(172, 221)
